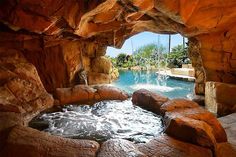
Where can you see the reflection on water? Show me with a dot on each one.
(102, 121)
(154, 87)
(131, 81)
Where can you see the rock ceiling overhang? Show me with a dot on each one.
(116, 20)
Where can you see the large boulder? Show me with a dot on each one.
(89, 94)
(149, 100)
(27, 142)
(205, 116)
(119, 148)
(188, 122)
(76, 94)
(166, 146)
(21, 89)
(110, 93)
(190, 130)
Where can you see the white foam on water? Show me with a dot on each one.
(154, 87)
(104, 120)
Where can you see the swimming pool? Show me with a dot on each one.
(130, 81)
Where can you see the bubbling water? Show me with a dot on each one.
(102, 121)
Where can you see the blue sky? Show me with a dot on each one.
(144, 38)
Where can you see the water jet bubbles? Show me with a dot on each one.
(104, 120)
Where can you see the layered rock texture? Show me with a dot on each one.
(51, 44)
(220, 98)
(184, 119)
(64, 38)
(86, 94)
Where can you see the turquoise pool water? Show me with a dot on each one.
(131, 81)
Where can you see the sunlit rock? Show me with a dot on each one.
(201, 114)
(177, 104)
(190, 130)
(220, 98)
(101, 65)
(149, 100)
(87, 94)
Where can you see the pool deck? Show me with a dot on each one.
(179, 77)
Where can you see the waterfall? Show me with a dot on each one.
(162, 74)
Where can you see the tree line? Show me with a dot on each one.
(153, 55)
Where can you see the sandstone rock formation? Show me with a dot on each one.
(71, 34)
(177, 104)
(21, 89)
(190, 130)
(189, 122)
(204, 116)
(86, 94)
(27, 142)
(220, 98)
(148, 100)
(184, 119)
(49, 44)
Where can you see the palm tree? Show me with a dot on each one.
(169, 42)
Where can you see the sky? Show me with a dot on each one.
(142, 39)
